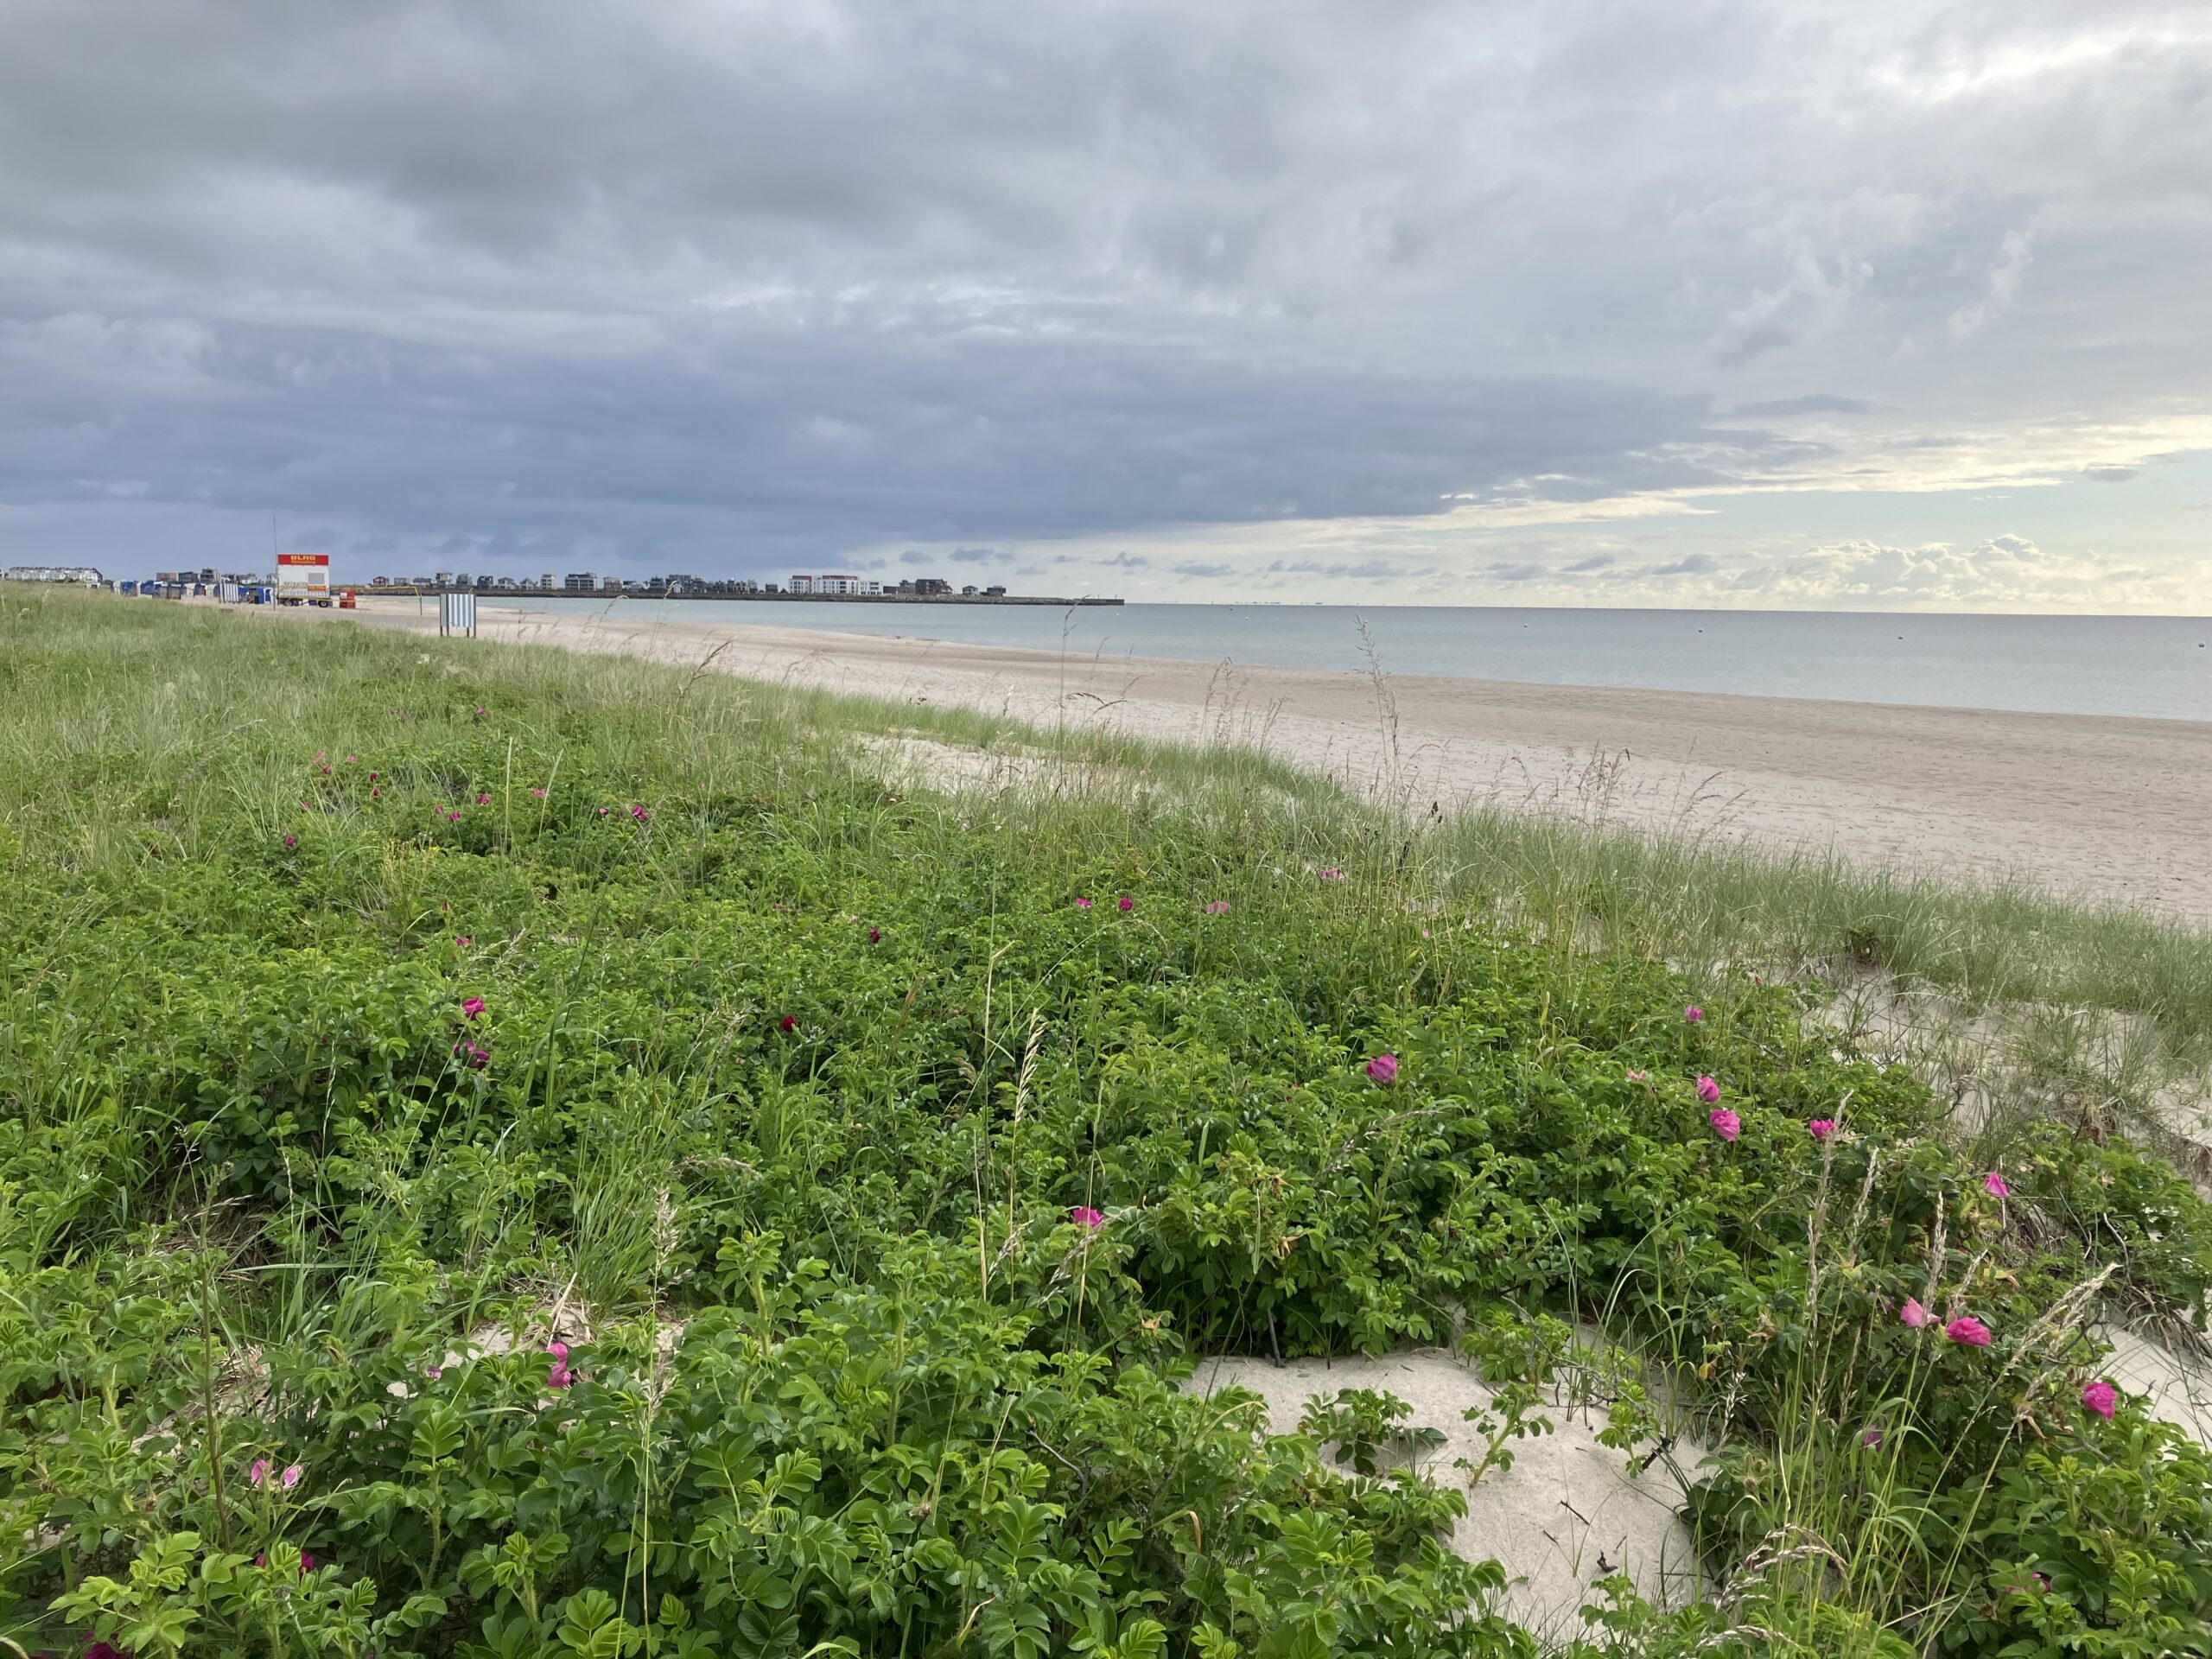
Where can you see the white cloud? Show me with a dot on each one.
(2002, 288)
(1812, 298)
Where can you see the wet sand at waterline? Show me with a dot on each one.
(2099, 807)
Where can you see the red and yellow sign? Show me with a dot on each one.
(303, 573)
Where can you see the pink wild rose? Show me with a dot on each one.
(1693, 1013)
(257, 1472)
(1726, 1123)
(1083, 903)
(1870, 1439)
(1332, 873)
(1994, 1183)
(789, 1022)
(1912, 1314)
(1821, 1128)
(1967, 1332)
(1086, 1217)
(1708, 1091)
(1383, 1068)
(291, 841)
(291, 1476)
(1218, 907)
(1639, 1076)
(2101, 1397)
(1125, 903)
(472, 1006)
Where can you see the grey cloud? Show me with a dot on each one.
(1690, 564)
(1819, 402)
(1594, 561)
(695, 286)
(2109, 475)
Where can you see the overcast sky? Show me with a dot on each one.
(1776, 303)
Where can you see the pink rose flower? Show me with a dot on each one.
(1994, 1183)
(1086, 1217)
(1913, 1313)
(1083, 903)
(1708, 1091)
(1821, 1128)
(1967, 1332)
(472, 1006)
(1383, 1068)
(1726, 1123)
(1126, 902)
(1693, 1013)
(2102, 1398)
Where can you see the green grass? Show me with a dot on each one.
(788, 1086)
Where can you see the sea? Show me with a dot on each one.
(2151, 666)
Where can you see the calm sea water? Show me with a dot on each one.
(2148, 665)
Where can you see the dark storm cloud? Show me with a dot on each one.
(721, 285)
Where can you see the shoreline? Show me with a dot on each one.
(2107, 808)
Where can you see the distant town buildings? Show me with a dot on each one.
(832, 585)
(84, 574)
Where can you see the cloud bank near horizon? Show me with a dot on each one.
(1522, 305)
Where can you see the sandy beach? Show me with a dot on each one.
(2104, 809)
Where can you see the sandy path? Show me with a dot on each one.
(2107, 809)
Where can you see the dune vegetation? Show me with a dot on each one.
(504, 1153)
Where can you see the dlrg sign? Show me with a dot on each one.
(303, 575)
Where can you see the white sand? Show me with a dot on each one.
(1568, 1513)
(2107, 809)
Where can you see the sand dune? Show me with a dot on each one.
(2105, 809)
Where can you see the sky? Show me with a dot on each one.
(1755, 303)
